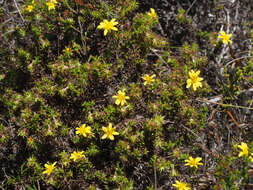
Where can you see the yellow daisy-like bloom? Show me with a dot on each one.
(109, 132)
(148, 79)
(49, 168)
(193, 162)
(83, 130)
(181, 186)
(152, 13)
(244, 149)
(121, 98)
(194, 80)
(108, 25)
(50, 5)
(225, 37)
(77, 155)
(29, 8)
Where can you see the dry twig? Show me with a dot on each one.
(19, 11)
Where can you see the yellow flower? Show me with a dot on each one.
(77, 155)
(225, 37)
(67, 50)
(244, 149)
(109, 132)
(193, 162)
(148, 79)
(152, 13)
(181, 186)
(194, 80)
(83, 130)
(50, 5)
(121, 98)
(29, 8)
(108, 25)
(49, 168)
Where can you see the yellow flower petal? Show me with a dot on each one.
(111, 137)
(115, 133)
(117, 102)
(104, 136)
(114, 28)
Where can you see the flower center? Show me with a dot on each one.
(121, 97)
(148, 79)
(50, 169)
(194, 79)
(193, 163)
(245, 151)
(109, 132)
(78, 155)
(108, 26)
(83, 130)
